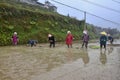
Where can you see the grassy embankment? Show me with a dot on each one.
(33, 22)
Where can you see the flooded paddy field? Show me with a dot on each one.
(59, 63)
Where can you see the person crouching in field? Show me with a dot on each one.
(69, 39)
(110, 38)
(32, 43)
(51, 40)
(15, 38)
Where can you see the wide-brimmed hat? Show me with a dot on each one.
(15, 32)
(85, 32)
(103, 33)
(49, 35)
(68, 32)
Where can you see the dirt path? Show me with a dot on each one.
(59, 63)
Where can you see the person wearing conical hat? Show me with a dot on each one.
(103, 40)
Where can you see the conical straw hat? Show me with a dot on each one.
(103, 33)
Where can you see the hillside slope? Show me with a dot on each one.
(35, 25)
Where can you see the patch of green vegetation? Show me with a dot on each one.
(94, 46)
(34, 24)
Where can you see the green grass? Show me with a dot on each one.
(94, 46)
(31, 24)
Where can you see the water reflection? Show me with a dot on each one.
(85, 56)
(103, 58)
(69, 55)
(110, 49)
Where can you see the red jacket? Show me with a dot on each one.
(69, 39)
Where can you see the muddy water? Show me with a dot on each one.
(59, 63)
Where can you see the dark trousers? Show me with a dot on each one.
(101, 45)
(111, 41)
(52, 44)
(69, 45)
(85, 43)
